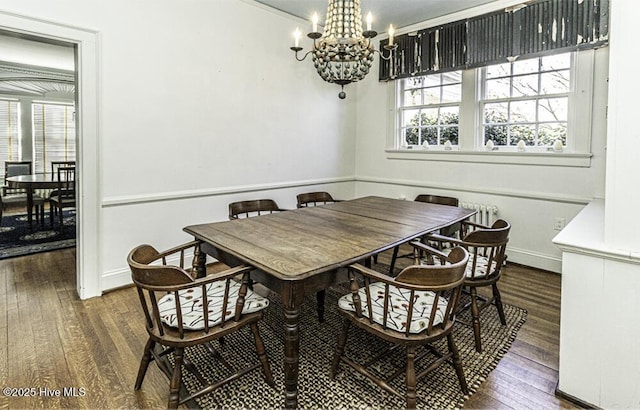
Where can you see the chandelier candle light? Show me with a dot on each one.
(343, 54)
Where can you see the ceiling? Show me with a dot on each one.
(400, 13)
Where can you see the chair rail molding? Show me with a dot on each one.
(207, 192)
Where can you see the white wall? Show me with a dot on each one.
(530, 197)
(201, 102)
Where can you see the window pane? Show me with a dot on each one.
(452, 93)
(556, 62)
(549, 133)
(412, 97)
(525, 66)
(449, 115)
(525, 85)
(432, 80)
(411, 136)
(452, 77)
(451, 134)
(553, 109)
(413, 82)
(523, 111)
(499, 70)
(410, 117)
(527, 133)
(495, 133)
(555, 82)
(430, 134)
(496, 113)
(429, 117)
(498, 88)
(431, 95)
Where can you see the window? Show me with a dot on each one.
(526, 100)
(9, 131)
(54, 134)
(429, 109)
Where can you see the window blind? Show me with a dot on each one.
(541, 27)
(9, 131)
(54, 134)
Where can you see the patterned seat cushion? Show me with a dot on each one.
(398, 307)
(191, 305)
(481, 266)
(482, 263)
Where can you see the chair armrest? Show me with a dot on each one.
(430, 250)
(476, 225)
(436, 237)
(364, 271)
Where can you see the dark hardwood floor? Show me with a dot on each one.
(52, 340)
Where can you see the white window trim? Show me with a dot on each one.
(577, 153)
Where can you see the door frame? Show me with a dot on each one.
(89, 210)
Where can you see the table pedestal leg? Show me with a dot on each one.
(30, 207)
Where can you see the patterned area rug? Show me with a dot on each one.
(16, 239)
(316, 390)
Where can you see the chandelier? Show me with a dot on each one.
(343, 54)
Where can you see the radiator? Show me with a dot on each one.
(487, 214)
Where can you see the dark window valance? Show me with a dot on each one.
(542, 27)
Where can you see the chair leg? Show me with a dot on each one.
(497, 299)
(411, 377)
(176, 378)
(342, 341)
(320, 302)
(266, 369)
(144, 363)
(51, 208)
(61, 220)
(457, 363)
(475, 314)
(393, 259)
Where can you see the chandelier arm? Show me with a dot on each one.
(297, 49)
(391, 49)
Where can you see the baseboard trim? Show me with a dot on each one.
(534, 259)
(581, 403)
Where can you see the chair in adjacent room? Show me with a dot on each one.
(255, 207)
(64, 196)
(17, 197)
(178, 318)
(54, 174)
(447, 231)
(414, 310)
(314, 199)
(486, 246)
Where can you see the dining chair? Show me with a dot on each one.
(486, 247)
(412, 310)
(178, 317)
(64, 195)
(60, 164)
(255, 207)
(314, 199)
(55, 165)
(447, 230)
(16, 197)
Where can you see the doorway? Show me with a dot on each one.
(84, 43)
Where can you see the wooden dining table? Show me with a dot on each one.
(299, 252)
(30, 183)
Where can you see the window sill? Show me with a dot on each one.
(558, 159)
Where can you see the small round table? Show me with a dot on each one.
(29, 183)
